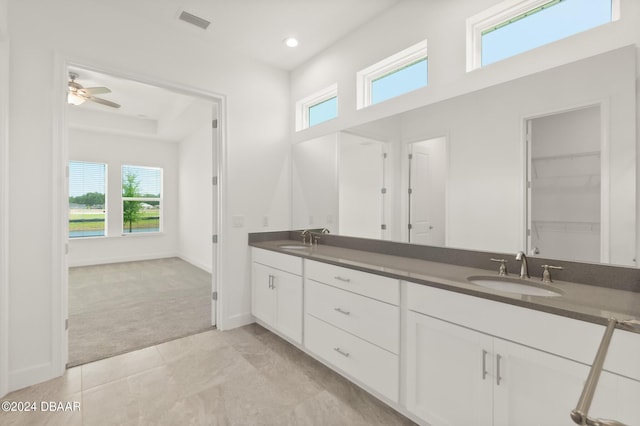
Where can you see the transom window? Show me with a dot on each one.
(317, 108)
(141, 199)
(507, 29)
(87, 202)
(396, 75)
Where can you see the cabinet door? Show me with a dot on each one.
(262, 295)
(616, 398)
(534, 387)
(449, 377)
(288, 304)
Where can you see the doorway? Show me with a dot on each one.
(564, 185)
(426, 174)
(175, 132)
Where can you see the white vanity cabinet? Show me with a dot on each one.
(352, 322)
(276, 297)
(457, 374)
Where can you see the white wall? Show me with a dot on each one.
(195, 202)
(442, 23)
(256, 181)
(116, 151)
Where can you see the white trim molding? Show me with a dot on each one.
(498, 14)
(303, 105)
(393, 63)
(4, 200)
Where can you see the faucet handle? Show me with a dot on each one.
(503, 267)
(546, 276)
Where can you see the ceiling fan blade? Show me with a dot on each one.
(96, 90)
(102, 101)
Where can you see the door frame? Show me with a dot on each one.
(605, 171)
(59, 191)
(4, 206)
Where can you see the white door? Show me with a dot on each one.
(534, 388)
(426, 192)
(288, 289)
(262, 294)
(449, 374)
(617, 398)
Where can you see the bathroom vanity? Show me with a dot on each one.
(405, 323)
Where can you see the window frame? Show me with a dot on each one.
(387, 66)
(106, 199)
(143, 199)
(498, 14)
(304, 105)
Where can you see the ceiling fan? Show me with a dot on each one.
(79, 94)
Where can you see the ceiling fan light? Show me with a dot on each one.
(74, 99)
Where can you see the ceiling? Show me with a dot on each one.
(257, 28)
(146, 111)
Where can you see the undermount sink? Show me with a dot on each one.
(515, 285)
(294, 247)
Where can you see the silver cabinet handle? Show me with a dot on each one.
(272, 279)
(339, 278)
(341, 352)
(498, 378)
(484, 364)
(341, 311)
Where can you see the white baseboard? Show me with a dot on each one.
(236, 321)
(132, 258)
(196, 263)
(32, 375)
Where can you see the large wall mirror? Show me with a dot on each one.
(545, 163)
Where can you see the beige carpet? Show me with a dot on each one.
(120, 307)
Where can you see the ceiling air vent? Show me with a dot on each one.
(194, 20)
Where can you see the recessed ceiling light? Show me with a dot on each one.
(291, 42)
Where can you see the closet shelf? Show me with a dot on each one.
(565, 226)
(571, 156)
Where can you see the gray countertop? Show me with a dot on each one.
(580, 301)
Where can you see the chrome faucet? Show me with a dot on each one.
(524, 268)
(304, 234)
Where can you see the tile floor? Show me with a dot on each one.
(246, 376)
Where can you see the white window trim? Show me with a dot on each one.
(143, 199)
(303, 105)
(365, 77)
(498, 14)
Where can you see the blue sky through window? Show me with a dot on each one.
(398, 82)
(556, 22)
(323, 111)
(86, 177)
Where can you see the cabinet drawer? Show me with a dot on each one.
(369, 319)
(371, 285)
(284, 262)
(357, 358)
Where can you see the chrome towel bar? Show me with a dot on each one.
(580, 414)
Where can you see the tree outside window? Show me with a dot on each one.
(141, 199)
